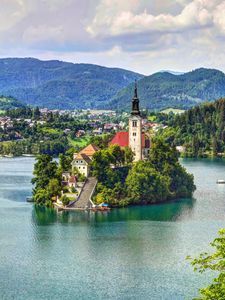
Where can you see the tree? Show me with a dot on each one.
(65, 200)
(45, 179)
(54, 187)
(216, 263)
(146, 185)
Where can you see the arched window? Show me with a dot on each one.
(134, 123)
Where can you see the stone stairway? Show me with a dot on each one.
(83, 200)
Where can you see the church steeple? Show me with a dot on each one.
(135, 102)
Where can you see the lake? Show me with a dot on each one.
(129, 253)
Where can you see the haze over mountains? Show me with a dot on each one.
(162, 90)
(62, 85)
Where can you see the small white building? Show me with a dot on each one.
(82, 163)
(82, 160)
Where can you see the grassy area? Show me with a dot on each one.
(172, 110)
(2, 112)
(152, 118)
(48, 130)
(80, 142)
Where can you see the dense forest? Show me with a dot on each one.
(157, 179)
(61, 85)
(200, 130)
(9, 103)
(163, 90)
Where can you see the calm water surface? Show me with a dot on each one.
(131, 253)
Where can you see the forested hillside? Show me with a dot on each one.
(61, 85)
(201, 129)
(9, 103)
(163, 90)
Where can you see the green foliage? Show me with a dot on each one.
(9, 103)
(46, 182)
(201, 129)
(73, 190)
(163, 90)
(216, 263)
(54, 187)
(61, 85)
(32, 134)
(65, 200)
(158, 179)
(102, 165)
(101, 141)
(66, 159)
(146, 185)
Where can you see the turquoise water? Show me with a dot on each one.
(131, 253)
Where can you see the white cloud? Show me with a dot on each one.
(143, 35)
(117, 21)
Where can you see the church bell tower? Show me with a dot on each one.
(135, 127)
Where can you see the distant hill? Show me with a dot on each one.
(9, 103)
(163, 90)
(172, 72)
(62, 85)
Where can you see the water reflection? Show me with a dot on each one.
(174, 211)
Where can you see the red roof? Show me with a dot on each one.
(122, 139)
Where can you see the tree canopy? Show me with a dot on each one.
(214, 262)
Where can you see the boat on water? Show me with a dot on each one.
(28, 155)
(29, 199)
(101, 207)
(220, 181)
(9, 156)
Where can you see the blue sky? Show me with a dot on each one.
(141, 35)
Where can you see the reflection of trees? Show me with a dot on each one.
(161, 212)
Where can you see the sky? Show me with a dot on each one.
(145, 36)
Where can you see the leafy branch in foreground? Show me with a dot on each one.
(214, 262)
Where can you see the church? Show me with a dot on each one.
(135, 138)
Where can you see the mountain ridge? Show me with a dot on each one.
(58, 84)
(163, 90)
(65, 85)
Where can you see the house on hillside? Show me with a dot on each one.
(82, 160)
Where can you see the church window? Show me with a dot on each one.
(134, 123)
(134, 134)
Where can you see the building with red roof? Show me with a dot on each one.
(138, 141)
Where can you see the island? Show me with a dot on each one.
(132, 168)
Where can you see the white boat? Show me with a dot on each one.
(220, 181)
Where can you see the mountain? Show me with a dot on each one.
(9, 103)
(172, 72)
(163, 90)
(62, 85)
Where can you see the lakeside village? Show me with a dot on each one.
(131, 168)
(26, 131)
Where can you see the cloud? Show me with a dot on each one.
(143, 35)
(196, 14)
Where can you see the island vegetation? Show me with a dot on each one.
(158, 179)
(121, 181)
